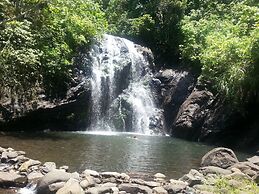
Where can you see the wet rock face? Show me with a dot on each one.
(172, 88)
(65, 114)
(192, 114)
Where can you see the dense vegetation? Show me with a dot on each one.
(219, 38)
(38, 40)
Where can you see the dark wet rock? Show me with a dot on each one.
(55, 114)
(220, 157)
(192, 114)
(72, 186)
(9, 179)
(173, 87)
(53, 177)
(4, 157)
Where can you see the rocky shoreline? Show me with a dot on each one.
(219, 172)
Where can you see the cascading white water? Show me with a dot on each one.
(121, 95)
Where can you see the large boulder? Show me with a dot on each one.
(192, 114)
(220, 157)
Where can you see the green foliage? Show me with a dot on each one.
(154, 23)
(222, 38)
(223, 185)
(38, 40)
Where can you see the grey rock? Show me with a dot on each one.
(254, 160)
(134, 188)
(26, 165)
(91, 173)
(9, 179)
(191, 180)
(214, 170)
(220, 157)
(175, 188)
(48, 166)
(65, 168)
(250, 172)
(159, 190)
(12, 154)
(110, 174)
(99, 190)
(53, 177)
(238, 176)
(71, 187)
(160, 176)
(56, 186)
(34, 176)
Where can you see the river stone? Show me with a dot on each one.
(56, 186)
(110, 174)
(2, 149)
(88, 181)
(254, 160)
(12, 154)
(71, 187)
(53, 177)
(214, 170)
(99, 190)
(91, 173)
(175, 188)
(159, 190)
(238, 176)
(134, 188)
(34, 176)
(124, 176)
(26, 165)
(64, 168)
(48, 166)
(159, 176)
(220, 157)
(8, 179)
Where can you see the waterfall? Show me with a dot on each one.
(121, 94)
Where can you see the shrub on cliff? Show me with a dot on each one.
(222, 38)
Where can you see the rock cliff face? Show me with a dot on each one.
(194, 112)
(69, 113)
